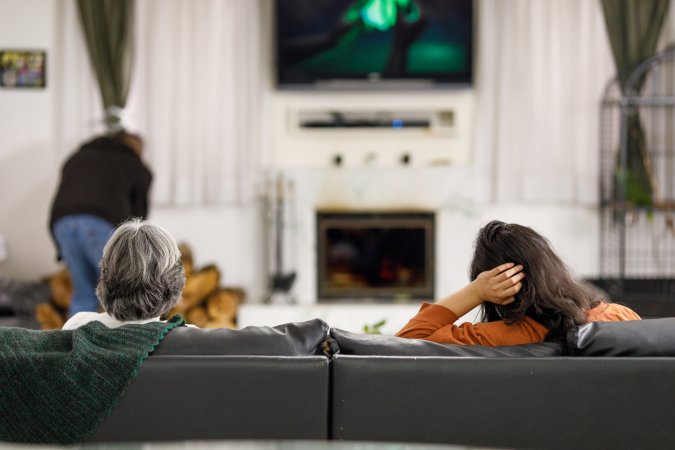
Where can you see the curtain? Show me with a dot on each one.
(633, 27)
(79, 112)
(200, 95)
(107, 26)
(541, 69)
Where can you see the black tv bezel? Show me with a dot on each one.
(371, 81)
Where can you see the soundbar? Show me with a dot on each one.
(393, 123)
(364, 119)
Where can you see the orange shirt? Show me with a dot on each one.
(435, 323)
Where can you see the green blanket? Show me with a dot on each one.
(57, 386)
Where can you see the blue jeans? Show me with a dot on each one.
(81, 239)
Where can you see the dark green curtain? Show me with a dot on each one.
(634, 27)
(107, 27)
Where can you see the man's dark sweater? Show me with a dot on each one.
(104, 178)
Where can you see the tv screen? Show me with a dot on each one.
(428, 41)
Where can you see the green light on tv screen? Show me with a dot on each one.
(382, 14)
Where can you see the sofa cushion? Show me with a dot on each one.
(290, 339)
(524, 403)
(649, 337)
(348, 343)
(188, 398)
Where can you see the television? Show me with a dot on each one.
(381, 43)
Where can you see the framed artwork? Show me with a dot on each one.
(23, 68)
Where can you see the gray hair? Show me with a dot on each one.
(142, 275)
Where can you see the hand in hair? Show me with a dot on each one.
(499, 285)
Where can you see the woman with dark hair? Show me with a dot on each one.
(526, 292)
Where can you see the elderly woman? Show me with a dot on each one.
(142, 277)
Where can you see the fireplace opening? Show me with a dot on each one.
(385, 256)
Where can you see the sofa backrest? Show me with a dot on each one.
(290, 339)
(648, 337)
(348, 343)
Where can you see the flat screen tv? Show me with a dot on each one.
(337, 43)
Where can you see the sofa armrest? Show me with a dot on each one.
(649, 337)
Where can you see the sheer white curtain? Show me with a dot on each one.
(79, 114)
(541, 69)
(200, 97)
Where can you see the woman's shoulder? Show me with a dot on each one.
(81, 318)
(611, 312)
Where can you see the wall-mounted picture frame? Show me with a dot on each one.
(23, 68)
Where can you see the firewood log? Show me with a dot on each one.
(48, 317)
(187, 267)
(197, 287)
(222, 304)
(186, 258)
(61, 288)
(197, 316)
(220, 323)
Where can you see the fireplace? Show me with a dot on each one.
(385, 256)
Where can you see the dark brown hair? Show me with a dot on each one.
(550, 294)
(131, 140)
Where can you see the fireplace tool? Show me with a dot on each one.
(281, 283)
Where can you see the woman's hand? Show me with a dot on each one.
(499, 285)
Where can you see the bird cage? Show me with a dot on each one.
(637, 181)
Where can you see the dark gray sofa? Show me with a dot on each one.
(612, 385)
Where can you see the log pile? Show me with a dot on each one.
(205, 303)
(52, 315)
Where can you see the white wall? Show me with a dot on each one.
(28, 165)
(231, 237)
(30, 162)
(372, 178)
